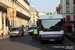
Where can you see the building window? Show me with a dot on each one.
(11, 0)
(67, 2)
(74, 1)
(33, 13)
(2, 18)
(74, 9)
(74, 17)
(67, 9)
(11, 22)
(34, 21)
(33, 16)
(27, 22)
(2, 15)
(68, 17)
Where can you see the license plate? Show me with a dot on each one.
(51, 40)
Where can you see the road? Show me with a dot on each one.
(26, 43)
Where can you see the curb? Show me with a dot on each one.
(70, 38)
(8, 36)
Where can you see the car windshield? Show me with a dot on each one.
(51, 25)
(15, 29)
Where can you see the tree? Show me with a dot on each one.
(50, 13)
(47, 14)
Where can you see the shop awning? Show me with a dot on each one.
(69, 24)
(23, 16)
(68, 16)
(74, 16)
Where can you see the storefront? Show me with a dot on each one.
(6, 23)
(68, 27)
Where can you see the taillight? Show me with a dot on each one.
(40, 35)
(62, 34)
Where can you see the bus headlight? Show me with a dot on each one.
(42, 35)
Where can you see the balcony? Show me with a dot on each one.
(59, 7)
(27, 2)
(4, 4)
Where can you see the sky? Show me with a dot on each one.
(45, 5)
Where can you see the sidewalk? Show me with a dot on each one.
(70, 37)
(8, 36)
(4, 37)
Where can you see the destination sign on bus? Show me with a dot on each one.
(50, 17)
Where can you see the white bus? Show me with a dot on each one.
(51, 27)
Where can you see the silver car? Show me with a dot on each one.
(17, 31)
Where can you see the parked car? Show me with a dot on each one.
(31, 29)
(17, 31)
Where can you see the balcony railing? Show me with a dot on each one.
(27, 2)
(67, 11)
(16, 5)
(59, 7)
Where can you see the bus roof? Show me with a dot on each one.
(57, 16)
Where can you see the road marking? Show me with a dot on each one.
(66, 44)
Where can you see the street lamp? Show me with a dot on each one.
(12, 14)
(13, 11)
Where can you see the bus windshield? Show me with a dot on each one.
(51, 25)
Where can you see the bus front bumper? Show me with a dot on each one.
(50, 38)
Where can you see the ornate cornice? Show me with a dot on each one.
(22, 6)
(26, 2)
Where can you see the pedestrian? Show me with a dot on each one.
(9, 31)
(35, 33)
